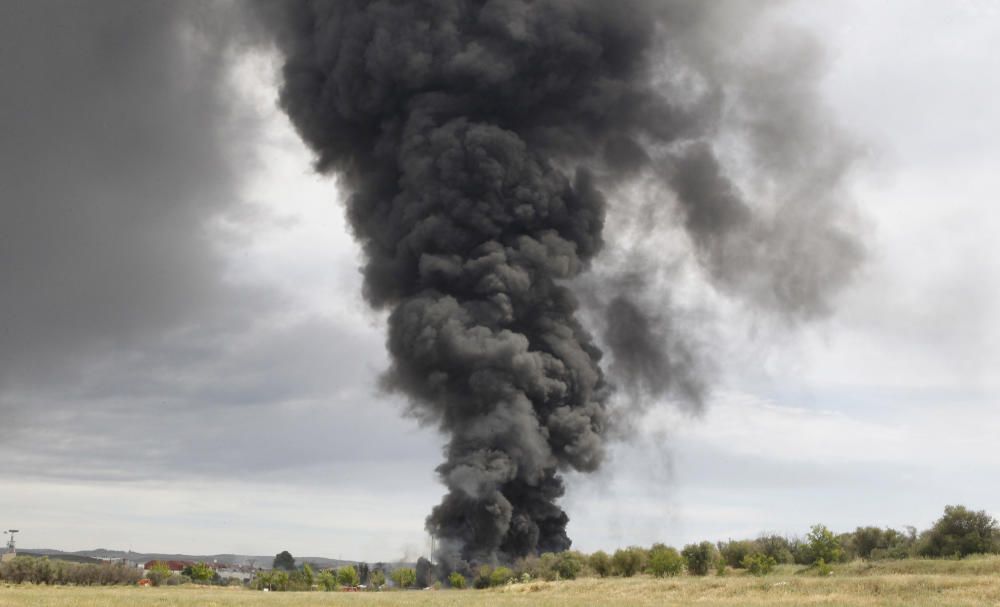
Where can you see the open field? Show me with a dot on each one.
(900, 583)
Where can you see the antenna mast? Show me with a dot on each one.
(10, 543)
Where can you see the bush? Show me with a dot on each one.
(600, 562)
(501, 576)
(456, 580)
(866, 540)
(327, 580)
(628, 562)
(376, 579)
(823, 545)
(759, 564)
(699, 557)
(569, 564)
(733, 552)
(158, 574)
(960, 532)
(404, 577)
(348, 576)
(276, 580)
(29, 570)
(200, 572)
(776, 547)
(665, 561)
(482, 577)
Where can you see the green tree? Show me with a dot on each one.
(759, 564)
(158, 573)
(456, 580)
(404, 577)
(275, 580)
(665, 561)
(960, 532)
(500, 576)
(348, 576)
(376, 579)
(547, 566)
(823, 545)
(600, 562)
(482, 579)
(628, 561)
(868, 539)
(569, 564)
(734, 551)
(699, 557)
(776, 547)
(284, 561)
(200, 572)
(327, 580)
(308, 577)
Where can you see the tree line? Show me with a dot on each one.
(959, 532)
(31, 570)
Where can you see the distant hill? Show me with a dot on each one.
(260, 561)
(72, 558)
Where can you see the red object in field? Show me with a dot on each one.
(145, 582)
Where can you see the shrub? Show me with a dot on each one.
(759, 564)
(823, 569)
(866, 540)
(482, 577)
(629, 561)
(776, 547)
(547, 567)
(699, 557)
(376, 579)
(158, 574)
(200, 572)
(348, 576)
(823, 545)
(404, 577)
(960, 532)
(665, 561)
(275, 580)
(734, 551)
(600, 562)
(501, 576)
(327, 580)
(456, 580)
(25, 569)
(569, 564)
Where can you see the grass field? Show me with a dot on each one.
(902, 583)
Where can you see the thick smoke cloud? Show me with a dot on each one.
(114, 158)
(478, 139)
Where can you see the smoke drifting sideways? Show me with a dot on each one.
(481, 141)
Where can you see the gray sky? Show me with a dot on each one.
(186, 363)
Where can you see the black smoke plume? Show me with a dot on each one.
(477, 139)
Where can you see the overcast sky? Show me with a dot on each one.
(186, 363)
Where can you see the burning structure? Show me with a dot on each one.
(479, 140)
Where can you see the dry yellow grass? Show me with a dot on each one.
(974, 582)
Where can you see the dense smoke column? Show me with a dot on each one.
(461, 129)
(473, 136)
